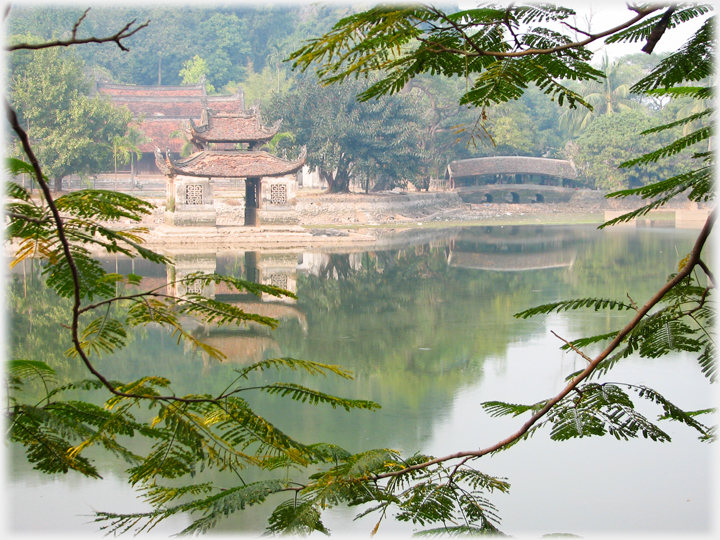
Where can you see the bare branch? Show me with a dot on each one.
(658, 30)
(575, 29)
(124, 33)
(22, 217)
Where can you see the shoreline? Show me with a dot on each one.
(355, 219)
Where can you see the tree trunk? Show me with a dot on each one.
(339, 183)
(58, 184)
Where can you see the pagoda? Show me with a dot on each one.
(228, 146)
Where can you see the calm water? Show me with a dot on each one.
(426, 325)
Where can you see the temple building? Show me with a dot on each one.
(228, 146)
(163, 112)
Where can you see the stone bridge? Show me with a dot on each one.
(512, 179)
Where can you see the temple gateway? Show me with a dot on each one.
(228, 146)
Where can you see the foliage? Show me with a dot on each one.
(692, 63)
(188, 432)
(611, 140)
(403, 42)
(195, 70)
(365, 143)
(229, 38)
(609, 96)
(262, 87)
(72, 132)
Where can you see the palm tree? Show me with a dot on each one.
(272, 145)
(187, 147)
(125, 148)
(609, 96)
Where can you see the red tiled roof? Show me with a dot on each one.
(167, 109)
(219, 164)
(184, 107)
(157, 91)
(178, 109)
(159, 130)
(238, 127)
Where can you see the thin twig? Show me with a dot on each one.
(707, 271)
(573, 347)
(124, 33)
(30, 219)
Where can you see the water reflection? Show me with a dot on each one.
(515, 248)
(424, 321)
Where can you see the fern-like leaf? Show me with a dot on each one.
(313, 397)
(566, 305)
(299, 516)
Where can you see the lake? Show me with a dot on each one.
(425, 322)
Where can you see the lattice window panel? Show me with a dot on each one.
(278, 194)
(195, 287)
(279, 280)
(194, 194)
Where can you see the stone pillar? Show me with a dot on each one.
(252, 202)
(251, 266)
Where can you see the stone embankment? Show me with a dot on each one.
(409, 208)
(358, 218)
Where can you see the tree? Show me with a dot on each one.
(448, 492)
(376, 142)
(72, 132)
(220, 431)
(614, 139)
(125, 148)
(498, 46)
(261, 87)
(403, 42)
(227, 50)
(194, 71)
(611, 95)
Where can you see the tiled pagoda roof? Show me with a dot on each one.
(229, 164)
(244, 126)
(179, 107)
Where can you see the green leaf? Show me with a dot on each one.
(296, 516)
(313, 397)
(313, 368)
(566, 305)
(499, 408)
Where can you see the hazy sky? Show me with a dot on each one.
(606, 14)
